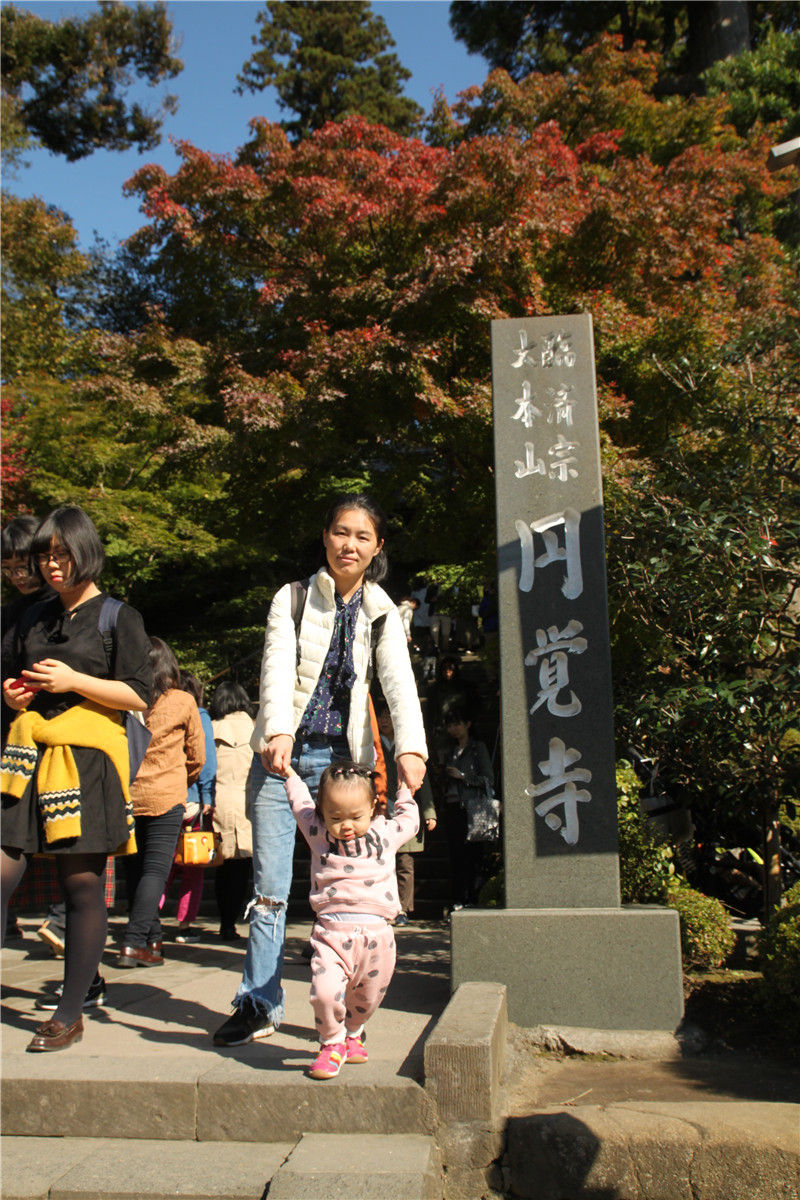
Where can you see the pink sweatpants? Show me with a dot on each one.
(351, 968)
(190, 894)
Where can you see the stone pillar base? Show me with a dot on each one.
(599, 968)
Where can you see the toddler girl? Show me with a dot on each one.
(354, 896)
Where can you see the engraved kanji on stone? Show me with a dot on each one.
(569, 554)
(557, 351)
(526, 409)
(563, 459)
(559, 772)
(553, 646)
(525, 354)
(532, 464)
(562, 405)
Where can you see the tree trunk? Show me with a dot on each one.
(717, 29)
(772, 864)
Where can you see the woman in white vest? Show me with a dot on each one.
(320, 646)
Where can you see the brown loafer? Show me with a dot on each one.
(55, 1035)
(139, 956)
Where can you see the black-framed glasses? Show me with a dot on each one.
(19, 571)
(59, 557)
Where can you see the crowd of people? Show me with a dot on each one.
(110, 753)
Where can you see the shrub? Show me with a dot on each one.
(645, 863)
(706, 935)
(780, 959)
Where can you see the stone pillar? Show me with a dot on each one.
(566, 950)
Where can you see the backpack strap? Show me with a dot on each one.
(375, 631)
(299, 594)
(107, 625)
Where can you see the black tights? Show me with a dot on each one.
(13, 864)
(82, 879)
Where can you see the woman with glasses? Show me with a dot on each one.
(65, 769)
(18, 573)
(318, 660)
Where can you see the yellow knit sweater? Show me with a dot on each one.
(57, 779)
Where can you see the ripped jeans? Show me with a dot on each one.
(274, 831)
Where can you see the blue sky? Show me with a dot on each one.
(214, 42)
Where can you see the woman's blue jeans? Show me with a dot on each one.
(273, 850)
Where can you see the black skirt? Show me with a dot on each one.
(103, 825)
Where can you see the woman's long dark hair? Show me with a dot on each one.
(378, 569)
(166, 672)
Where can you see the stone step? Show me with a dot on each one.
(111, 1169)
(59, 1096)
(360, 1167)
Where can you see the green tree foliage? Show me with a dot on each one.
(64, 82)
(762, 85)
(329, 61)
(645, 860)
(42, 272)
(522, 36)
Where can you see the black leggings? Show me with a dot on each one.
(232, 887)
(147, 872)
(82, 879)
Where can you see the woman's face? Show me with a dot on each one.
(56, 566)
(17, 571)
(350, 543)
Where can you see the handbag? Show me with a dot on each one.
(197, 847)
(483, 813)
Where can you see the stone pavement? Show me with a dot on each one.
(146, 1107)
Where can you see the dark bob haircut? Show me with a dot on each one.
(75, 531)
(378, 569)
(229, 698)
(18, 535)
(166, 672)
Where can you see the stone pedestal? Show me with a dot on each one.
(597, 968)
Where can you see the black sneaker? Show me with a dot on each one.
(95, 997)
(244, 1026)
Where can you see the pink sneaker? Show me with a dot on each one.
(328, 1062)
(356, 1051)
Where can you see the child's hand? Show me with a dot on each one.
(290, 771)
(17, 697)
(430, 824)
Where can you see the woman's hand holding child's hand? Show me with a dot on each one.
(277, 757)
(410, 771)
(454, 772)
